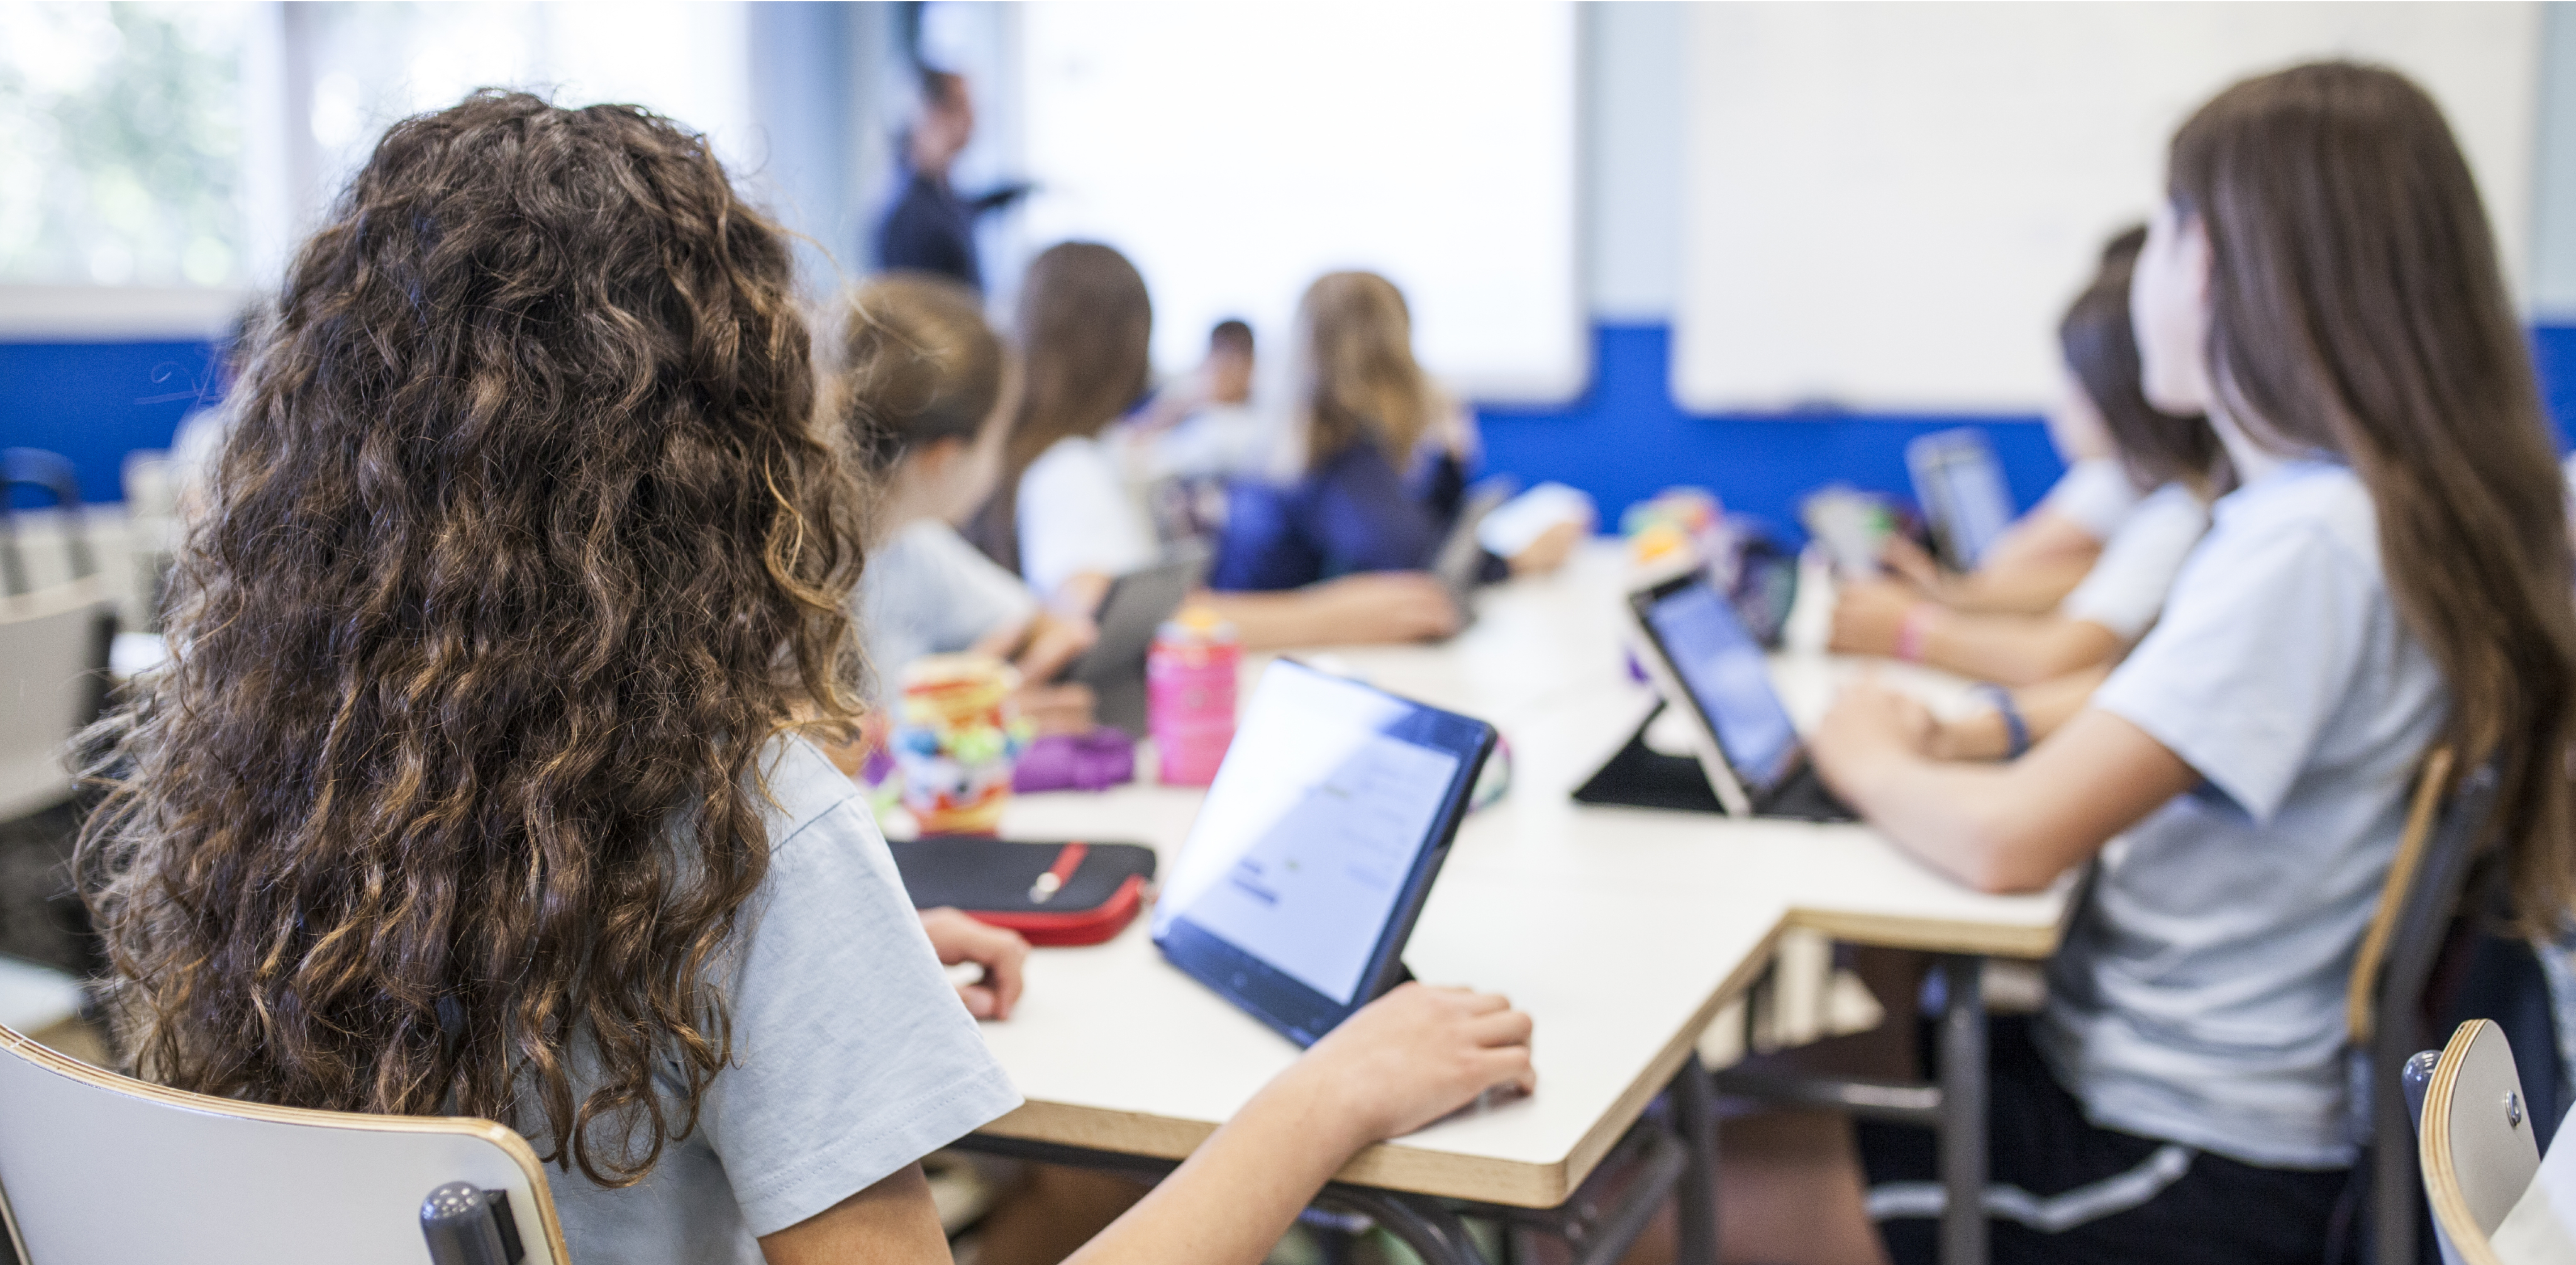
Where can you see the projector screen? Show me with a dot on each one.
(1890, 204)
(1237, 151)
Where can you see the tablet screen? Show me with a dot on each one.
(1312, 829)
(1962, 486)
(1723, 668)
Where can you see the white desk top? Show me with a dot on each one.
(1620, 931)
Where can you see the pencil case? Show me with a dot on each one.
(1053, 894)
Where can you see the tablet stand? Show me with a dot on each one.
(1641, 777)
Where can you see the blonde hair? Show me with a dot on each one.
(1356, 377)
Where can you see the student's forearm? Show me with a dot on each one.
(1957, 817)
(2045, 708)
(2016, 649)
(1240, 1191)
(2001, 827)
(1269, 621)
(2031, 586)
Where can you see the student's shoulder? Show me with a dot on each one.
(807, 794)
(2315, 508)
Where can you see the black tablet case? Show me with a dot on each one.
(1641, 777)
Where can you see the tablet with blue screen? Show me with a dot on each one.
(1316, 847)
(1704, 662)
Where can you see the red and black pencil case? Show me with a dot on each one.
(1051, 893)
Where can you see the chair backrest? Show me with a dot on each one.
(53, 676)
(101, 1169)
(2384, 1004)
(2477, 1141)
(36, 468)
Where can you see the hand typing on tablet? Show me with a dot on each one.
(1413, 1056)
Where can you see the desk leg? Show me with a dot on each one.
(1963, 1111)
(1695, 1203)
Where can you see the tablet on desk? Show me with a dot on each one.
(1703, 661)
(1315, 849)
(1460, 563)
(1961, 487)
(1136, 605)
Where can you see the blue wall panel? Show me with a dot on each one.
(1625, 439)
(1622, 441)
(95, 402)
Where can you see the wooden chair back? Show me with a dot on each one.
(2385, 997)
(2477, 1143)
(102, 1169)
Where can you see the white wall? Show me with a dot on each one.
(2553, 255)
(1636, 69)
(1635, 97)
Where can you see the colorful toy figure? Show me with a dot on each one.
(957, 737)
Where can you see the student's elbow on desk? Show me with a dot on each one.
(2000, 852)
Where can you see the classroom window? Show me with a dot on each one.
(121, 143)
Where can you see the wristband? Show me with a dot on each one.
(2016, 729)
(1914, 632)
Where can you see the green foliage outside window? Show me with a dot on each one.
(121, 143)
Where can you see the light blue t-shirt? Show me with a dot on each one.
(2200, 995)
(926, 591)
(852, 1054)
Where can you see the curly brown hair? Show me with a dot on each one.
(525, 545)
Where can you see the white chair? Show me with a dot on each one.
(101, 1169)
(53, 675)
(2495, 1201)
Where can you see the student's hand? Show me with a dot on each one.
(1867, 724)
(1058, 709)
(1867, 615)
(1413, 1056)
(1551, 549)
(1055, 640)
(1042, 645)
(1002, 954)
(1906, 561)
(1383, 606)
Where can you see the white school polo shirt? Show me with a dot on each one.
(2200, 995)
(2127, 586)
(853, 1056)
(2096, 494)
(926, 591)
(1077, 516)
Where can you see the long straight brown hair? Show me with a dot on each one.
(2356, 308)
(524, 544)
(1086, 329)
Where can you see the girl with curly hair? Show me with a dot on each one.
(480, 781)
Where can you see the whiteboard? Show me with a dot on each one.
(1237, 151)
(1891, 204)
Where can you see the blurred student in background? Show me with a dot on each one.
(2174, 461)
(925, 394)
(2391, 572)
(930, 227)
(2041, 558)
(1383, 457)
(1063, 515)
(1199, 434)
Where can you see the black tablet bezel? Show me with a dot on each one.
(1672, 682)
(1280, 1000)
(1120, 618)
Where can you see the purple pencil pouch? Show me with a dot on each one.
(1095, 761)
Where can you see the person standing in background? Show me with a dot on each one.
(929, 228)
